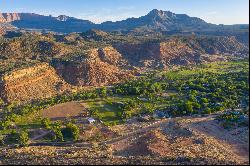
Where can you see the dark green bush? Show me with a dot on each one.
(21, 138)
(71, 131)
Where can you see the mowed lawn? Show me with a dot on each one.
(105, 110)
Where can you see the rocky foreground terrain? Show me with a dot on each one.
(191, 140)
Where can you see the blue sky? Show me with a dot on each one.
(213, 11)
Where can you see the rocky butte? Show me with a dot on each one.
(37, 82)
(9, 17)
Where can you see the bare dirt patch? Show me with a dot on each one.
(151, 143)
(175, 139)
(97, 133)
(61, 111)
(236, 140)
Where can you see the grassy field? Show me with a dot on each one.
(105, 110)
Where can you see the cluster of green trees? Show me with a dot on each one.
(207, 93)
(60, 131)
(143, 86)
(15, 137)
(13, 112)
(134, 107)
(1, 103)
(197, 93)
(233, 118)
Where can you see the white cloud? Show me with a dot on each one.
(106, 14)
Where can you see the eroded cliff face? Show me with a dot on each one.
(103, 67)
(111, 56)
(9, 17)
(180, 51)
(158, 55)
(92, 73)
(39, 81)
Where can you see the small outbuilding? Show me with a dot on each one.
(91, 120)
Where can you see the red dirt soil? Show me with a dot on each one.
(70, 109)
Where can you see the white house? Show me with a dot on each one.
(91, 120)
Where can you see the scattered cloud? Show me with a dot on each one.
(106, 14)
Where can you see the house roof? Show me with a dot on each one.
(91, 119)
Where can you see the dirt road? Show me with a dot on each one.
(235, 141)
(237, 138)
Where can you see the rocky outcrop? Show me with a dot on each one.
(91, 73)
(111, 56)
(180, 50)
(9, 17)
(39, 81)
(5, 27)
(104, 66)
(94, 73)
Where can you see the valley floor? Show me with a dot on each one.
(184, 140)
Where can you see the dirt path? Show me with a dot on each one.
(109, 142)
(234, 141)
(43, 134)
(139, 131)
(237, 139)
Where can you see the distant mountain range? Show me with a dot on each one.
(154, 21)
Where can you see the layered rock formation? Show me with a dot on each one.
(9, 17)
(180, 51)
(111, 56)
(103, 67)
(39, 81)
